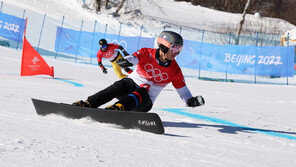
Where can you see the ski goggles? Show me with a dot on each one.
(104, 47)
(176, 48)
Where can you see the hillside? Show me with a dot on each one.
(156, 13)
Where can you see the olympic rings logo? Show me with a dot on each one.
(155, 73)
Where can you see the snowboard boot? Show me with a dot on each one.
(116, 106)
(82, 103)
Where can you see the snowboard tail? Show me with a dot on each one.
(149, 122)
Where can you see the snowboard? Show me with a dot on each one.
(149, 122)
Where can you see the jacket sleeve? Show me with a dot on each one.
(123, 51)
(99, 56)
(184, 93)
(132, 59)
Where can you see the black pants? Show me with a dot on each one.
(129, 94)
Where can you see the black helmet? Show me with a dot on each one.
(102, 42)
(167, 38)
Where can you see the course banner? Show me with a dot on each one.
(238, 59)
(85, 43)
(232, 59)
(12, 27)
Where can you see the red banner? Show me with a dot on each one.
(33, 63)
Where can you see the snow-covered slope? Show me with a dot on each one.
(204, 136)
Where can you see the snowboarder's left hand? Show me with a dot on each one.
(195, 101)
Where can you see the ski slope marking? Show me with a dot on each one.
(64, 80)
(224, 122)
(74, 83)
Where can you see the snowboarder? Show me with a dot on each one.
(110, 52)
(155, 68)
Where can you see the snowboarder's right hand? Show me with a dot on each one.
(104, 69)
(124, 63)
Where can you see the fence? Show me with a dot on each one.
(42, 33)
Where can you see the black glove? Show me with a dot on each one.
(104, 69)
(124, 63)
(195, 101)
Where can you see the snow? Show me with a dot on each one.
(31, 140)
(240, 125)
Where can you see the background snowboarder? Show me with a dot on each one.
(110, 52)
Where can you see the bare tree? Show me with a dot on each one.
(107, 4)
(241, 23)
(115, 14)
(98, 5)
